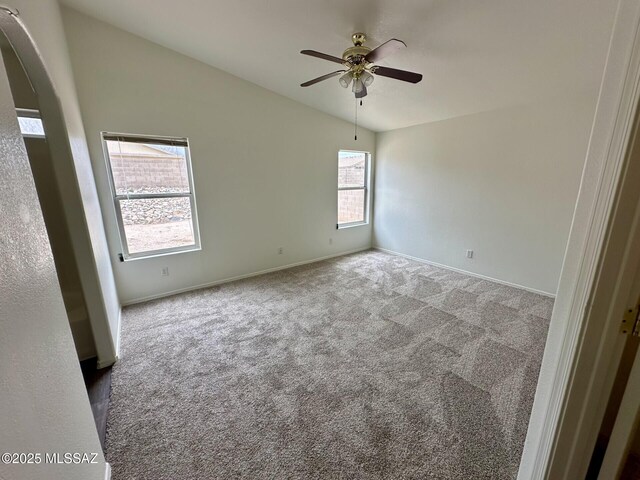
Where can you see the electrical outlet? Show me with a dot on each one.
(165, 271)
(280, 251)
(330, 241)
(469, 253)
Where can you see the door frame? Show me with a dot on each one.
(625, 426)
(584, 343)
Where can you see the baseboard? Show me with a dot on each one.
(240, 277)
(106, 363)
(472, 274)
(107, 471)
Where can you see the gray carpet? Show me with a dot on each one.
(367, 366)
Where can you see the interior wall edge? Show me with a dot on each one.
(72, 167)
(44, 400)
(108, 361)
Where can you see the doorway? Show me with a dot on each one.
(617, 451)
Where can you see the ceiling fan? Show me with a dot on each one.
(360, 65)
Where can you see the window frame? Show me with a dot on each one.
(366, 188)
(117, 198)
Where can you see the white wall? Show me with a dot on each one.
(75, 179)
(502, 183)
(43, 402)
(265, 167)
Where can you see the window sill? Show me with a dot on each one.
(351, 225)
(160, 253)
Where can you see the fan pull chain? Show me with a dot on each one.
(355, 137)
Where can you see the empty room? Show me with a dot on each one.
(319, 240)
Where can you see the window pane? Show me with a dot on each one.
(351, 169)
(157, 223)
(148, 167)
(31, 126)
(350, 206)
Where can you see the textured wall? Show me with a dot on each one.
(43, 400)
(74, 176)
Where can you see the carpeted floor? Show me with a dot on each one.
(367, 366)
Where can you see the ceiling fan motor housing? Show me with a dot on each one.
(356, 54)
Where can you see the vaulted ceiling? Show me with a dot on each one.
(474, 55)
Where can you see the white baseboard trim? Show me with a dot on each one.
(472, 274)
(106, 363)
(239, 277)
(107, 471)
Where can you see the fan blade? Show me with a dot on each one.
(387, 48)
(324, 56)
(323, 77)
(397, 74)
(363, 92)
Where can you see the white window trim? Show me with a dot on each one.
(366, 188)
(126, 256)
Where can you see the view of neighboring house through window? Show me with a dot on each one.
(153, 195)
(353, 188)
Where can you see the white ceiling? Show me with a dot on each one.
(474, 55)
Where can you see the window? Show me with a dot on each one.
(30, 123)
(353, 188)
(152, 189)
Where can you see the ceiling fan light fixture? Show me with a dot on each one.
(360, 65)
(357, 86)
(366, 78)
(345, 79)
